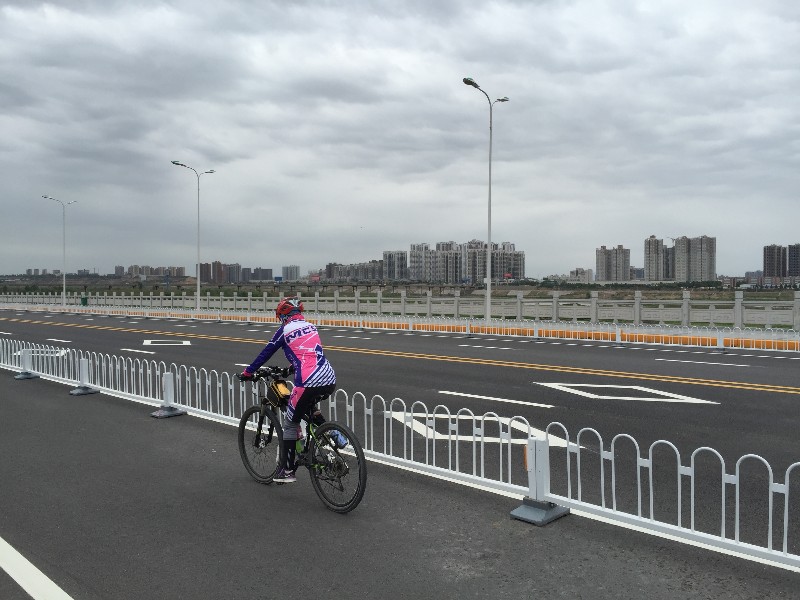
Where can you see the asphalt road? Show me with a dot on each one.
(737, 402)
(110, 503)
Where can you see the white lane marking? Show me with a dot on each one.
(166, 343)
(5, 333)
(31, 579)
(139, 351)
(431, 434)
(657, 395)
(700, 362)
(259, 330)
(55, 340)
(493, 399)
(484, 347)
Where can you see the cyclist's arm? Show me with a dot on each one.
(272, 346)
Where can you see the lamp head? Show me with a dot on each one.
(176, 162)
(471, 81)
(503, 99)
(209, 171)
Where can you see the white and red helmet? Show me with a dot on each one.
(288, 308)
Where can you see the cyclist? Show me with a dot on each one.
(314, 377)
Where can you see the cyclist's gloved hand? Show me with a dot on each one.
(287, 371)
(246, 376)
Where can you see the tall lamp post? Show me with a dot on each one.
(180, 164)
(64, 245)
(471, 82)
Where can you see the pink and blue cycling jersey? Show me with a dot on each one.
(303, 348)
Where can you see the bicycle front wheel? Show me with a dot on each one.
(260, 437)
(338, 474)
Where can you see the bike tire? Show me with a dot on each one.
(339, 476)
(260, 452)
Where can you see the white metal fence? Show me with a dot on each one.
(500, 454)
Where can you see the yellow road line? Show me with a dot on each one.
(454, 359)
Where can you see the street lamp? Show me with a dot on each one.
(471, 82)
(180, 164)
(64, 245)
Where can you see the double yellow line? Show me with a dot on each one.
(757, 387)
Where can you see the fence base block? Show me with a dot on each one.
(168, 411)
(26, 375)
(538, 513)
(82, 390)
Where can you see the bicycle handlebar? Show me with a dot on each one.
(269, 372)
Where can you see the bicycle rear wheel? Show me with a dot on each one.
(339, 476)
(260, 438)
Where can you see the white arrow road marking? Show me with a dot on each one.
(507, 400)
(658, 396)
(699, 362)
(431, 434)
(139, 351)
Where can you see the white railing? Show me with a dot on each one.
(687, 311)
(720, 338)
(499, 454)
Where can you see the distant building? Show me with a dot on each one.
(793, 269)
(290, 273)
(695, 259)
(395, 265)
(580, 275)
(775, 261)
(612, 264)
(654, 259)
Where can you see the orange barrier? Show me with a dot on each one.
(384, 325)
(444, 328)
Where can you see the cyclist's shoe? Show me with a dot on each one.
(284, 476)
(338, 439)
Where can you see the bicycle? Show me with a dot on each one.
(334, 467)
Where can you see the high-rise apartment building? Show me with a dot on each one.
(454, 263)
(290, 273)
(775, 261)
(695, 259)
(395, 265)
(419, 262)
(612, 264)
(653, 259)
(793, 269)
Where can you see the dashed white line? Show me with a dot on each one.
(138, 351)
(698, 362)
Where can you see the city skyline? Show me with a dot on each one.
(658, 259)
(337, 130)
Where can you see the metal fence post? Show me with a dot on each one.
(27, 366)
(533, 508)
(83, 384)
(168, 408)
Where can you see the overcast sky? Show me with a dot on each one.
(341, 129)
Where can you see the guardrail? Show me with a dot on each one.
(686, 311)
(499, 454)
(721, 338)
